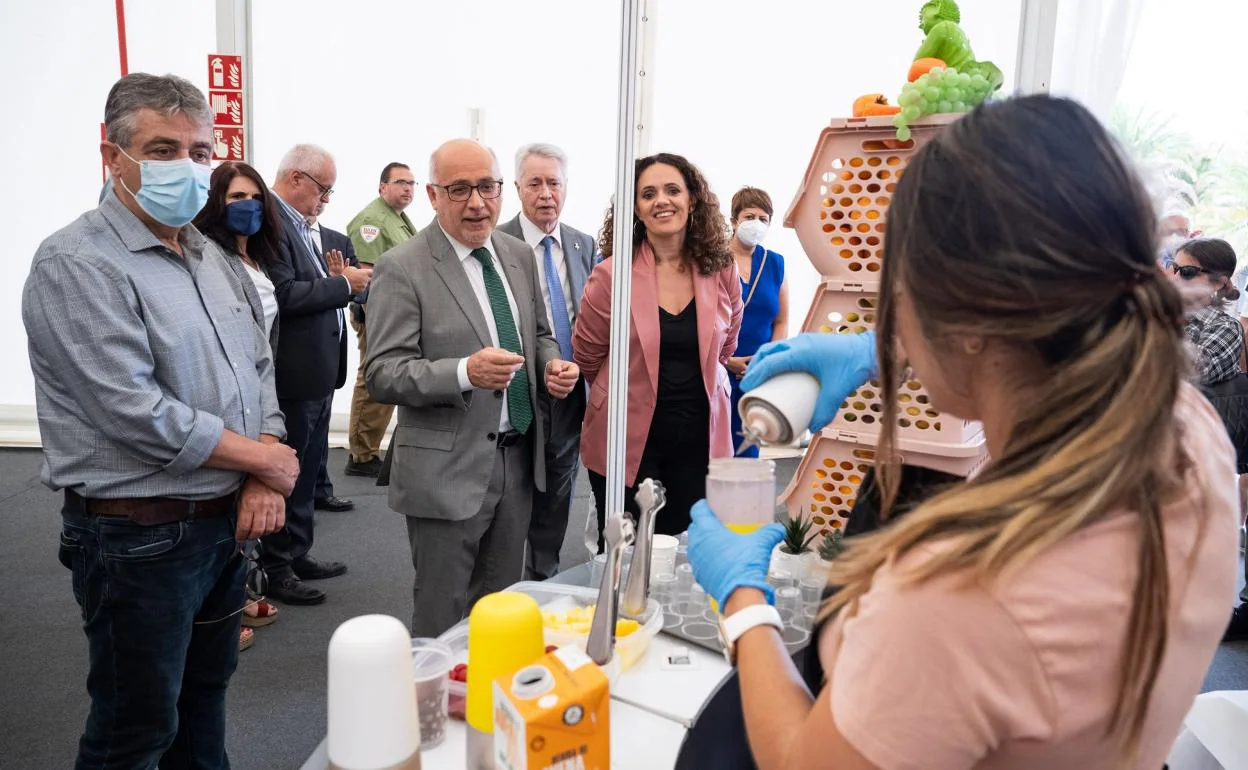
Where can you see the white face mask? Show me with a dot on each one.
(751, 232)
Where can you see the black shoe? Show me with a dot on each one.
(1237, 631)
(308, 568)
(335, 504)
(369, 469)
(292, 590)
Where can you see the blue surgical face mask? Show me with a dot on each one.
(243, 217)
(171, 191)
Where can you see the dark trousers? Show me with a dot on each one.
(160, 609)
(551, 509)
(307, 432)
(324, 485)
(458, 562)
(677, 455)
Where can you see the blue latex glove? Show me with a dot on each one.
(724, 561)
(841, 362)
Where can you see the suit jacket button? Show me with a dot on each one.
(492, 437)
(498, 394)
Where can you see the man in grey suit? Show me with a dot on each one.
(564, 258)
(458, 339)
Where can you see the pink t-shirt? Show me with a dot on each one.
(1023, 674)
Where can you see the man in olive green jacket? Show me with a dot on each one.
(381, 226)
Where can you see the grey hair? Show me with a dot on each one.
(166, 94)
(1175, 212)
(542, 150)
(433, 160)
(302, 157)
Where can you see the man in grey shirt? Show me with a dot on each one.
(160, 423)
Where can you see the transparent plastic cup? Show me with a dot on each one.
(431, 663)
(742, 492)
(663, 556)
(812, 594)
(663, 590)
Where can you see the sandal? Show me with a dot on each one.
(246, 638)
(260, 612)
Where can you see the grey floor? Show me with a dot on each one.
(277, 698)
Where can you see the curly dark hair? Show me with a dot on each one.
(706, 235)
(263, 245)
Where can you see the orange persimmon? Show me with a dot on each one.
(870, 105)
(920, 67)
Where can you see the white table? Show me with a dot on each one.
(659, 749)
(650, 700)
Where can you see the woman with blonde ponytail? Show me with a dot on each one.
(1060, 609)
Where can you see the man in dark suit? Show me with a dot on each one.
(563, 257)
(312, 362)
(330, 242)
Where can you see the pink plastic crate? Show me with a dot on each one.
(825, 486)
(836, 311)
(841, 208)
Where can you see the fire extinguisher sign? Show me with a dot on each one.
(225, 98)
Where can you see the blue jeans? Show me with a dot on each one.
(156, 608)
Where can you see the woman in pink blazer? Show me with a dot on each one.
(686, 309)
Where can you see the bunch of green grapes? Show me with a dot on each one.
(939, 90)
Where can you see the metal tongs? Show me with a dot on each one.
(650, 498)
(618, 532)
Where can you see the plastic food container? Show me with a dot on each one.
(552, 597)
(456, 692)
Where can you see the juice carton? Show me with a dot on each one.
(553, 715)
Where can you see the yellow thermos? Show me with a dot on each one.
(504, 635)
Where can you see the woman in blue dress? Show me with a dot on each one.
(763, 290)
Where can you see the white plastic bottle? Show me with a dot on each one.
(777, 411)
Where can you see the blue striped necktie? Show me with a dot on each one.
(558, 306)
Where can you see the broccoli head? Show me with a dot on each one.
(935, 11)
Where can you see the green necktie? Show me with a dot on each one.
(519, 407)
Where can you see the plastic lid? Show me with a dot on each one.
(741, 469)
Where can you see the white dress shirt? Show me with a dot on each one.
(533, 236)
(268, 296)
(476, 278)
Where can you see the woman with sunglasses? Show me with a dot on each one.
(1218, 337)
(241, 218)
(1060, 609)
(1209, 263)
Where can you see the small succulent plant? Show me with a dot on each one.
(797, 535)
(832, 545)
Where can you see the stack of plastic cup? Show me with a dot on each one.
(684, 580)
(812, 595)
(663, 591)
(431, 663)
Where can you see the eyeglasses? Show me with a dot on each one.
(257, 578)
(325, 191)
(403, 182)
(257, 581)
(1187, 272)
(462, 191)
